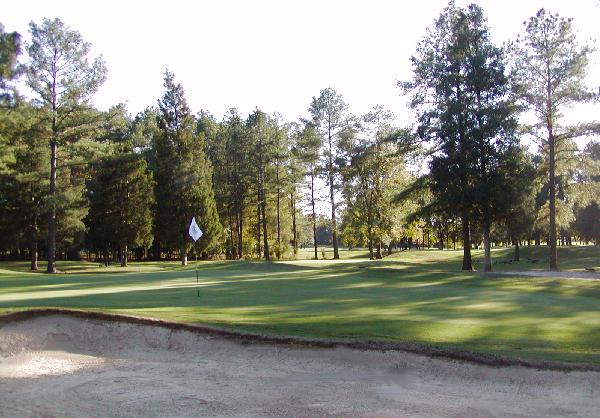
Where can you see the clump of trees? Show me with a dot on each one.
(75, 180)
(467, 102)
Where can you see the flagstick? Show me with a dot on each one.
(197, 286)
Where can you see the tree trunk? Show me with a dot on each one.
(231, 248)
(467, 264)
(370, 237)
(183, 252)
(454, 235)
(33, 244)
(240, 234)
(52, 212)
(156, 250)
(336, 254)
(487, 249)
(124, 256)
(294, 231)
(34, 255)
(517, 256)
(314, 216)
(263, 207)
(278, 212)
(378, 256)
(258, 211)
(552, 183)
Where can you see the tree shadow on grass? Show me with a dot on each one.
(440, 308)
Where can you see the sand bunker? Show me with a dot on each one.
(65, 366)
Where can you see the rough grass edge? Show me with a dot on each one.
(490, 360)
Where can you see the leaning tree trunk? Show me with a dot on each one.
(487, 249)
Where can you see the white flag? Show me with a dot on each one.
(195, 231)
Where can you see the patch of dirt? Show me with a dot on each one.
(67, 366)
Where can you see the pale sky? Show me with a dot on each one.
(274, 55)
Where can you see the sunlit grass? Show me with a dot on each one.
(417, 296)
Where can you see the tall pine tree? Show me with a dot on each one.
(328, 112)
(183, 177)
(64, 80)
(550, 70)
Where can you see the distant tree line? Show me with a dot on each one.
(77, 181)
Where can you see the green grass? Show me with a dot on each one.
(417, 296)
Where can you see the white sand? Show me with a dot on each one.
(63, 366)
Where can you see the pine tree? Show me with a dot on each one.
(240, 175)
(280, 161)
(550, 69)
(183, 177)
(296, 176)
(64, 80)
(461, 94)
(306, 153)
(328, 112)
(259, 131)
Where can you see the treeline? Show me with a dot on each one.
(74, 179)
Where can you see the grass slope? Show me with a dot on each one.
(419, 296)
